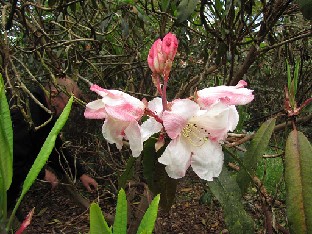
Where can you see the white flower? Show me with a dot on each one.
(121, 113)
(195, 138)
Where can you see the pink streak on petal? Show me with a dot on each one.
(95, 114)
(230, 95)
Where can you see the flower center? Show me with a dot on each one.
(197, 136)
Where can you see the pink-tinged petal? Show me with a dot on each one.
(174, 120)
(100, 91)
(176, 157)
(230, 95)
(173, 124)
(149, 128)
(133, 134)
(125, 112)
(241, 84)
(207, 160)
(113, 131)
(95, 110)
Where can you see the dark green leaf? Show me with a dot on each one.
(227, 191)
(298, 174)
(98, 225)
(127, 174)
(306, 8)
(185, 9)
(165, 186)
(255, 151)
(149, 161)
(51, 3)
(164, 5)
(148, 222)
(120, 223)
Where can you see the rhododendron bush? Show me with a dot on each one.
(195, 127)
(170, 136)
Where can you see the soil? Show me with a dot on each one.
(57, 212)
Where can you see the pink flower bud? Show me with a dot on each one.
(169, 46)
(162, 53)
(156, 60)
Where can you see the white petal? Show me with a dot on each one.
(233, 118)
(207, 160)
(150, 127)
(95, 110)
(155, 105)
(184, 108)
(176, 157)
(133, 134)
(113, 131)
(215, 120)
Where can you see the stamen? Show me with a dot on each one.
(195, 135)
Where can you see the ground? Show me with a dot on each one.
(57, 212)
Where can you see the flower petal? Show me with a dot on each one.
(176, 118)
(150, 127)
(207, 160)
(233, 118)
(176, 157)
(133, 134)
(113, 131)
(230, 95)
(215, 121)
(95, 110)
(155, 105)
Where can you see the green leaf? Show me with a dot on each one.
(227, 191)
(6, 151)
(288, 75)
(51, 3)
(185, 9)
(148, 222)
(149, 161)
(120, 223)
(6, 139)
(298, 174)
(156, 176)
(43, 155)
(255, 151)
(164, 5)
(165, 186)
(219, 6)
(296, 76)
(98, 225)
(127, 174)
(306, 8)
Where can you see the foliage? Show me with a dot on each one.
(228, 193)
(6, 151)
(99, 225)
(255, 150)
(221, 42)
(42, 156)
(298, 171)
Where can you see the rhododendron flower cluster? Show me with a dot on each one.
(196, 127)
